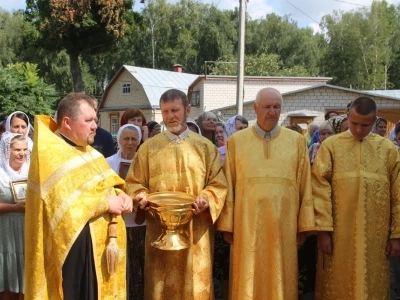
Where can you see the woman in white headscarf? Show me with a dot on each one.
(14, 165)
(128, 138)
(18, 122)
(234, 124)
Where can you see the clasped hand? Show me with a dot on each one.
(119, 204)
(199, 205)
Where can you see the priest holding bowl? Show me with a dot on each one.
(180, 175)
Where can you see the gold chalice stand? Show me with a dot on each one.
(171, 210)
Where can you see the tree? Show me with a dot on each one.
(281, 36)
(22, 89)
(11, 35)
(78, 26)
(260, 65)
(219, 36)
(361, 46)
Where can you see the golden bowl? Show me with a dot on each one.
(171, 210)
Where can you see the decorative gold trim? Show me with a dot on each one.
(66, 167)
(75, 196)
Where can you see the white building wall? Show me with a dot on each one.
(222, 93)
(312, 102)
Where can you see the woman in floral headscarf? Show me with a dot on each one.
(339, 123)
(14, 165)
(234, 124)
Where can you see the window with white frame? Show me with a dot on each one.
(114, 125)
(126, 88)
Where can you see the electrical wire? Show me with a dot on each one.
(302, 12)
(352, 3)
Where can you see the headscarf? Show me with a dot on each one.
(115, 160)
(378, 120)
(312, 127)
(8, 127)
(8, 121)
(195, 124)
(7, 174)
(336, 123)
(392, 134)
(325, 125)
(230, 126)
(151, 125)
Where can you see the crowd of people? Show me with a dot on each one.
(277, 213)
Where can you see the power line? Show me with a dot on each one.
(352, 3)
(302, 12)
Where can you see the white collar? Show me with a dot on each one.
(266, 134)
(177, 138)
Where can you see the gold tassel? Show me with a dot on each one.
(112, 252)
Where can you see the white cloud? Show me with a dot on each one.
(259, 8)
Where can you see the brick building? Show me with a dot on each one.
(310, 104)
(142, 87)
(306, 99)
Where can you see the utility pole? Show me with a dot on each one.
(240, 72)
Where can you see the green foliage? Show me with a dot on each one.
(78, 26)
(358, 48)
(11, 34)
(361, 46)
(22, 89)
(260, 65)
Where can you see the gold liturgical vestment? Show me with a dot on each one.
(356, 189)
(66, 190)
(190, 164)
(269, 201)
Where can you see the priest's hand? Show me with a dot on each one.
(324, 241)
(301, 238)
(141, 200)
(393, 248)
(228, 237)
(199, 205)
(116, 204)
(128, 204)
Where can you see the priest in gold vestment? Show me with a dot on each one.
(269, 204)
(71, 194)
(356, 189)
(179, 160)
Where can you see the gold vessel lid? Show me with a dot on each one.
(170, 199)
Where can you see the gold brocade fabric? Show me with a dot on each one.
(65, 192)
(356, 192)
(269, 201)
(192, 165)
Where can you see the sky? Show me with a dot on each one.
(304, 12)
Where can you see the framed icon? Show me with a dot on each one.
(19, 189)
(123, 169)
